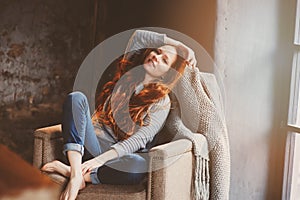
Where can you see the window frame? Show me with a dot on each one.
(297, 24)
(291, 179)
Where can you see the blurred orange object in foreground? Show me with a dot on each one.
(19, 180)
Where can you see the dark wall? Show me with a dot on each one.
(44, 42)
(195, 18)
(42, 45)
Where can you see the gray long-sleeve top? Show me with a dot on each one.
(158, 111)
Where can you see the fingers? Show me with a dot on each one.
(188, 54)
(85, 168)
(192, 59)
(192, 62)
(90, 165)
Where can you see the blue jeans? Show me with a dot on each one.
(79, 135)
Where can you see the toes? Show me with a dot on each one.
(49, 167)
(45, 168)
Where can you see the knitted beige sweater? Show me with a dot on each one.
(202, 112)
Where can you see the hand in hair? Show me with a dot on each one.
(188, 54)
(184, 51)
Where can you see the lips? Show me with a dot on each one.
(152, 62)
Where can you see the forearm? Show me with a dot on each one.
(107, 156)
(170, 41)
(99, 160)
(145, 39)
(182, 50)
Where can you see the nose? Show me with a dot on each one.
(154, 57)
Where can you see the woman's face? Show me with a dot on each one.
(159, 61)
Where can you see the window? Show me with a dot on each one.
(291, 185)
(294, 111)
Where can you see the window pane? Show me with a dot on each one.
(297, 25)
(294, 109)
(295, 192)
(291, 189)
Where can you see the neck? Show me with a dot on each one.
(147, 79)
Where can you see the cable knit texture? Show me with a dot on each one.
(202, 112)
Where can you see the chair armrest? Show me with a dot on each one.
(170, 149)
(50, 132)
(176, 148)
(171, 169)
(48, 144)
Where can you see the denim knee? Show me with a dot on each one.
(130, 169)
(132, 163)
(76, 98)
(75, 103)
(137, 164)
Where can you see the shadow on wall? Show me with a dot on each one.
(282, 55)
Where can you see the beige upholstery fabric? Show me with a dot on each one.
(48, 144)
(172, 164)
(170, 175)
(113, 192)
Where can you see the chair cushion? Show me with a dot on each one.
(113, 192)
(105, 191)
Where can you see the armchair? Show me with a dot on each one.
(169, 177)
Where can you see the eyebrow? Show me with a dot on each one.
(167, 57)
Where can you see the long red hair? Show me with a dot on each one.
(118, 99)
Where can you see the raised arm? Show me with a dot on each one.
(183, 50)
(145, 39)
(149, 39)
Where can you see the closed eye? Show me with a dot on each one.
(165, 57)
(165, 61)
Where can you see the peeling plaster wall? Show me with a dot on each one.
(42, 44)
(254, 43)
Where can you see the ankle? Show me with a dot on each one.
(75, 173)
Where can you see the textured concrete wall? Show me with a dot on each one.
(42, 44)
(254, 48)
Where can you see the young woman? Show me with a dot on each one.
(132, 109)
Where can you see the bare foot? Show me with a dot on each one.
(87, 177)
(75, 184)
(57, 166)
